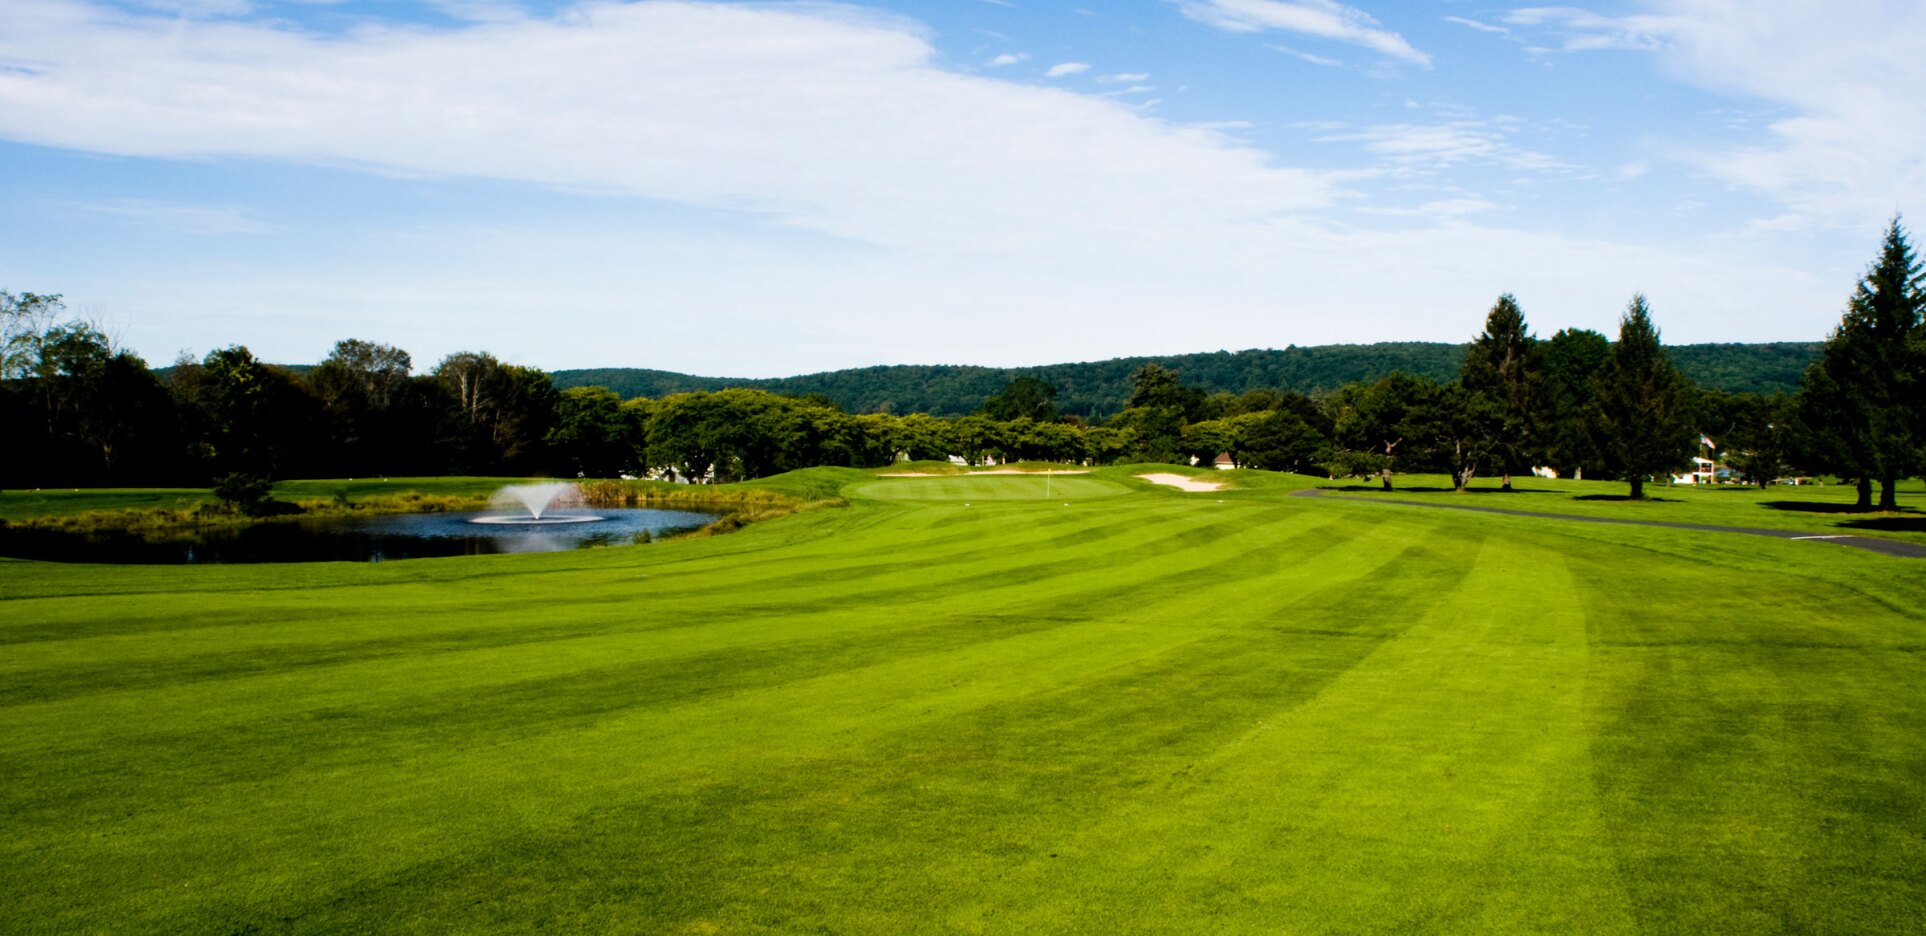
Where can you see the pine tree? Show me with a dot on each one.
(1501, 368)
(1644, 405)
(1859, 401)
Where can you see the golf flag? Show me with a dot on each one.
(1708, 441)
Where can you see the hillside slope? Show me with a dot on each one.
(1098, 388)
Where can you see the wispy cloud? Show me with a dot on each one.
(180, 217)
(1853, 149)
(481, 11)
(198, 8)
(1439, 209)
(1308, 57)
(1437, 146)
(1066, 68)
(1324, 19)
(1481, 27)
(1583, 30)
(1008, 58)
(1126, 78)
(710, 90)
(1080, 221)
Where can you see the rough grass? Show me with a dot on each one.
(25, 504)
(1146, 712)
(154, 510)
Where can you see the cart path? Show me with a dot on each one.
(1887, 547)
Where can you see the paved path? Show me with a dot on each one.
(1871, 543)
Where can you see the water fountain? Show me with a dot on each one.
(536, 499)
(523, 518)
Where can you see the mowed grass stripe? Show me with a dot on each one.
(458, 799)
(603, 682)
(1258, 716)
(1796, 744)
(1018, 770)
(217, 707)
(471, 670)
(1434, 787)
(41, 671)
(72, 618)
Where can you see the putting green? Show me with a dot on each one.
(973, 488)
(1268, 714)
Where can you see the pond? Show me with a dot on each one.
(353, 539)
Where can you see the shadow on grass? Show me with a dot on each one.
(1889, 524)
(1379, 489)
(1625, 498)
(1374, 487)
(1811, 507)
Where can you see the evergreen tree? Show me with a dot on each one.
(1759, 436)
(1501, 368)
(1859, 400)
(1644, 403)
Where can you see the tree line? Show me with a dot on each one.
(82, 411)
(1096, 390)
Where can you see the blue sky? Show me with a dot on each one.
(761, 189)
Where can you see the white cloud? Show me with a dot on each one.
(1854, 149)
(1324, 19)
(1126, 78)
(944, 212)
(1008, 59)
(669, 100)
(1066, 68)
(1481, 27)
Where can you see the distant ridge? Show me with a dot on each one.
(1098, 388)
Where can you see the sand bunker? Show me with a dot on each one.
(970, 474)
(1182, 483)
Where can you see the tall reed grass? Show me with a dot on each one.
(739, 506)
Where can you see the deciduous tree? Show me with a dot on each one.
(1023, 398)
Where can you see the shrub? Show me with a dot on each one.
(244, 492)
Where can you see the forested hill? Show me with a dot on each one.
(1099, 388)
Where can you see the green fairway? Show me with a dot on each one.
(1121, 709)
(970, 488)
(1818, 509)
